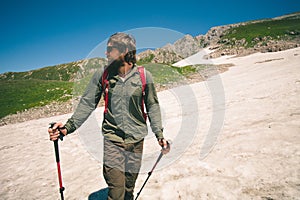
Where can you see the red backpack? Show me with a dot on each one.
(105, 85)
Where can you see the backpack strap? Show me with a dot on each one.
(105, 87)
(142, 72)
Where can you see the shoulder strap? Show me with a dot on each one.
(105, 86)
(142, 72)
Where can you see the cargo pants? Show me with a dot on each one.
(121, 166)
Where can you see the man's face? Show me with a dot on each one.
(112, 53)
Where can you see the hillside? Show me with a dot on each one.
(63, 72)
(267, 35)
(50, 86)
(24, 90)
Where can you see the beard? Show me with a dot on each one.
(114, 65)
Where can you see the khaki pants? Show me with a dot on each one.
(121, 166)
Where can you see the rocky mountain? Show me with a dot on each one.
(171, 53)
(244, 38)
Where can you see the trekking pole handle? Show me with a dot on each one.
(169, 142)
(166, 150)
(61, 136)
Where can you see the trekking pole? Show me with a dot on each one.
(150, 173)
(61, 188)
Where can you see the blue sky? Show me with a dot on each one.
(40, 33)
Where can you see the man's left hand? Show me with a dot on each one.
(165, 145)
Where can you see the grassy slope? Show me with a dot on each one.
(18, 95)
(163, 74)
(24, 90)
(282, 29)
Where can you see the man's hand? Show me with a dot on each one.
(165, 145)
(56, 130)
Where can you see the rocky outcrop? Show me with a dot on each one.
(171, 53)
(160, 55)
(184, 47)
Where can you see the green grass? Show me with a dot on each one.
(18, 95)
(163, 74)
(287, 28)
(147, 59)
(186, 70)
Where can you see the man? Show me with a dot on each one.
(124, 125)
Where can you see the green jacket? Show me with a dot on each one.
(124, 121)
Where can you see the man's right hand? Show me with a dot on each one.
(57, 129)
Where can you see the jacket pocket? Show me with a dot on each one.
(135, 89)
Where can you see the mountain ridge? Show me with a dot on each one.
(220, 38)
